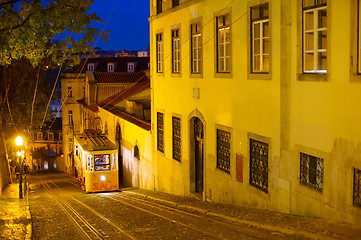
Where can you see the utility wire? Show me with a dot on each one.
(106, 22)
(32, 106)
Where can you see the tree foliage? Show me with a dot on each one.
(33, 29)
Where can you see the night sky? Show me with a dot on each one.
(128, 24)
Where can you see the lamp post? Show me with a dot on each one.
(19, 142)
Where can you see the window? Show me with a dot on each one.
(90, 163)
(176, 123)
(136, 152)
(50, 136)
(91, 67)
(357, 187)
(102, 162)
(130, 67)
(223, 44)
(311, 171)
(159, 6)
(175, 3)
(315, 36)
(39, 136)
(260, 38)
(110, 67)
(70, 92)
(359, 38)
(159, 53)
(258, 176)
(196, 48)
(175, 51)
(70, 114)
(160, 132)
(223, 150)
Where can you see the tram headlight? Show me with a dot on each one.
(102, 178)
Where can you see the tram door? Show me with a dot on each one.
(198, 141)
(118, 139)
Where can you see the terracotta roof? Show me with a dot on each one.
(120, 64)
(136, 88)
(118, 77)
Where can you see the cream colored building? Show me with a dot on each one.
(255, 103)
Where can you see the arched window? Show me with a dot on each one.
(136, 152)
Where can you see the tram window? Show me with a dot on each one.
(90, 163)
(102, 162)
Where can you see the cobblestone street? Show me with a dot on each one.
(60, 209)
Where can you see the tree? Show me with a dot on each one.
(31, 30)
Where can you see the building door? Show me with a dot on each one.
(118, 139)
(198, 155)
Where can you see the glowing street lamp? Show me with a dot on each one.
(19, 141)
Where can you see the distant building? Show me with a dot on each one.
(55, 109)
(86, 86)
(45, 147)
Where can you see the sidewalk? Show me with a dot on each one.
(15, 219)
(305, 227)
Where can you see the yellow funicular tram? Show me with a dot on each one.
(96, 162)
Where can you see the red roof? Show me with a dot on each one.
(118, 77)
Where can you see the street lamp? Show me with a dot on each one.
(19, 142)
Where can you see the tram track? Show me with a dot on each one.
(213, 230)
(85, 227)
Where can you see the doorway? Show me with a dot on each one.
(197, 155)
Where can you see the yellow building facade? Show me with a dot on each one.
(254, 103)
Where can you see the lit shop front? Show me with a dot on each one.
(96, 162)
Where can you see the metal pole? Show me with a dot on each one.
(21, 179)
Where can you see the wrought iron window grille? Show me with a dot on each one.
(176, 138)
(259, 165)
(223, 150)
(311, 171)
(357, 187)
(160, 132)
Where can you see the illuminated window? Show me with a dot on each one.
(259, 165)
(102, 162)
(130, 67)
(110, 67)
(159, 53)
(196, 48)
(224, 150)
(160, 132)
(315, 36)
(311, 171)
(223, 44)
(39, 136)
(260, 38)
(176, 136)
(175, 51)
(91, 67)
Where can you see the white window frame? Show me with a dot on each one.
(315, 51)
(196, 50)
(91, 67)
(159, 37)
(262, 39)
(175, 51)
(223, 31)
(130, 66)
(110, 67)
